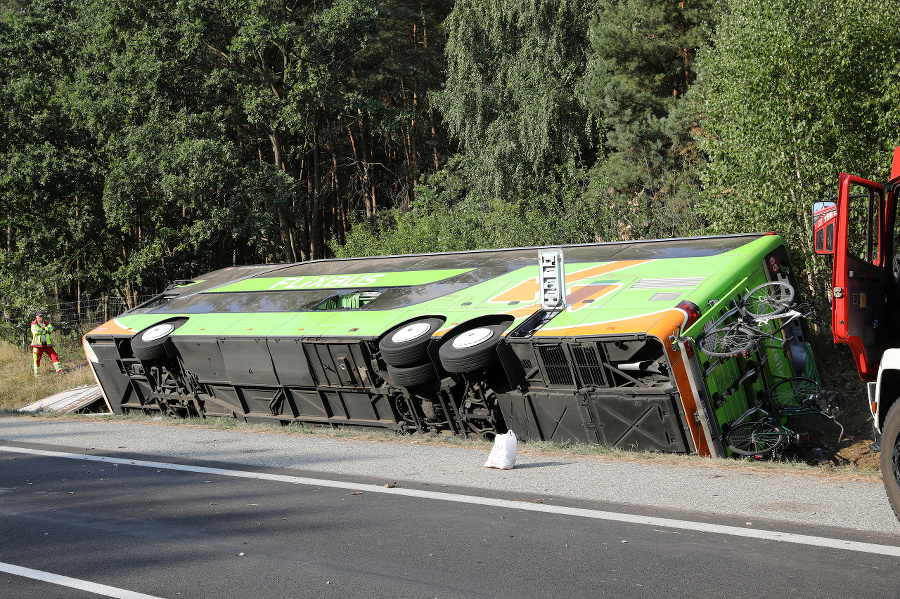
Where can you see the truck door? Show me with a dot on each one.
(862, 272)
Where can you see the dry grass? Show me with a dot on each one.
(19, 387)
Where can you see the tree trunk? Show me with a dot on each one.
(434, 139)
(316, 203)
(305, 209)
(429, 109)
(128, 301)
(284, 221)
(413, 145)
(78, 290)
(407, 149)
(337, 205)
(368, 183)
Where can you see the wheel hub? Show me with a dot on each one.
(472, 338)
(157, 332)
(410, 332)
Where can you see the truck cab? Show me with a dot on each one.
(857, 229)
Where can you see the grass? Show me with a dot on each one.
(19, 387)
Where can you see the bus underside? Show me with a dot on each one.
(617, 391)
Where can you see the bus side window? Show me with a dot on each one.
(352, 300)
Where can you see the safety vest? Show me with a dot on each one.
(40, 334)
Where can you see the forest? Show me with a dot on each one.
(145, 141)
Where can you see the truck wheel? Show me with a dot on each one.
(890, 457)
(407, 344)
(472, 349)
(151, 343)
(410, 376)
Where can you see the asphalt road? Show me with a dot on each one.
(179, 512)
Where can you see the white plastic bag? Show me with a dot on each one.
(503, 455)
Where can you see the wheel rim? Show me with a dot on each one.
(471, 338)
(735, 340)
(770, 299)
(157, 332)
(728, 341)
(742, 438)
(766, 305)
(752, 437)
(794, 391)
(411, 332)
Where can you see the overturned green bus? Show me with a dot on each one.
(573, 344)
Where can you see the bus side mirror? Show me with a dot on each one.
(824, 222)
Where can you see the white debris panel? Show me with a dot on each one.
(84, 398)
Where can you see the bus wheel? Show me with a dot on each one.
(407, 344)
(410, 376)
(150, 344)
(890, 457)
(472, 349)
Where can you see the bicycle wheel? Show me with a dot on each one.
(768, 299)
(727, 341)
(793, 392)
(758, 438)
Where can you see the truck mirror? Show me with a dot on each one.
(824, 220)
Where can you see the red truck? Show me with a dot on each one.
(857, 229)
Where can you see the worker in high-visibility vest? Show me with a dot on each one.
(41, 343)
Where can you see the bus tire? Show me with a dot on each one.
(410, 376)
(407, 344)
(890, 457)
(151, 343)
(472, 349)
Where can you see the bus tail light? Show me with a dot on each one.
(691, 312)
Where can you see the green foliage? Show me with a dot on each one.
(142, 143)
(46, 160)
(510, 96)
(791, 95)
(574, 124)
(637, 82)
(446, 217)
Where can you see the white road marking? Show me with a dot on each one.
(73, 583)
(750, 533)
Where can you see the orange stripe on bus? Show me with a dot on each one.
(602, 269)
(664, 327)
(636, 324)
(528, 290)
(112, 327)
